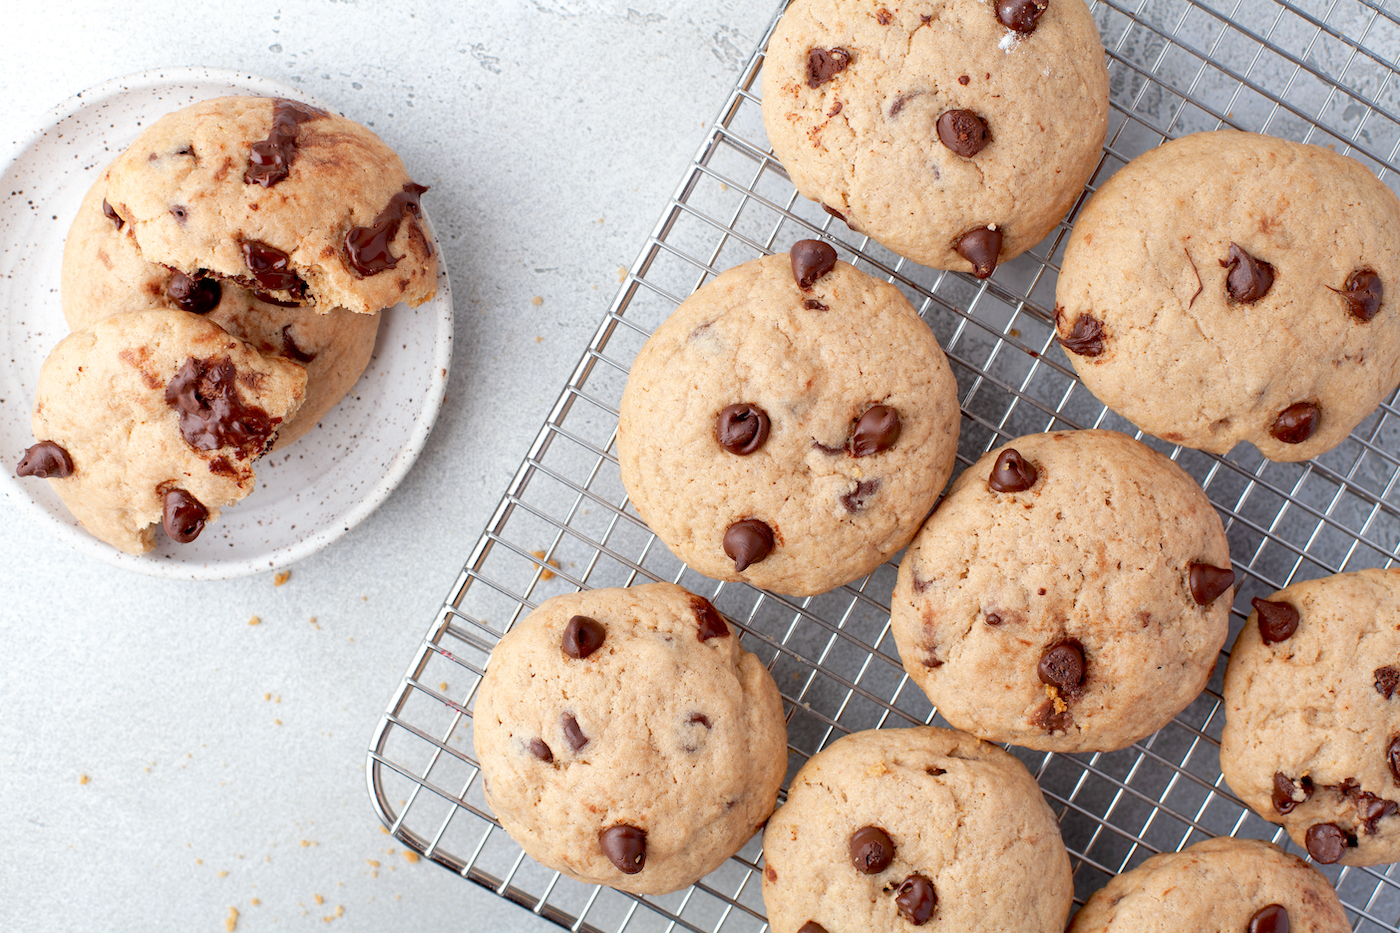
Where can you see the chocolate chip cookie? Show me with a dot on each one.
(1242, 885)
(626, 738)
(1231, 287)
(104, 272)
(790, 425)
(154, 417)
(955, 132)
(299, 205)
(896, 828)
(1312, 720)
(1070, 593)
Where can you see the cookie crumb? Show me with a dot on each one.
(255, 902)
(255, 620)
(539, 340)
(282, 576)
(83, 778)
(319, 899)
(545, 572)
(223, 874)
(622, 273)
(443, 686)
(877, 769)
(372, 863)
(231, 922)
(410, 856)
(383, 829)
(537, 301)
(315, 623)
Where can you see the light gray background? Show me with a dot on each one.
(552, 133)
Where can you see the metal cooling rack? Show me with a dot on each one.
(1320, 71)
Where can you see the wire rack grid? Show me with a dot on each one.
(1320, 71)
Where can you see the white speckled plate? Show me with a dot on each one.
(308, 494)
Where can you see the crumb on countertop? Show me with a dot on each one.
(282, 576)
(231, 922)
(83, 779)
(255, 620)
(537, 301)
(545, 572)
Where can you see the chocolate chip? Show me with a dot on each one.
(882, 16)
(877, 430)
(182, 515)
(572, 732)
(1387, 679)
(541, 750)
(857, 499)
(963, 80)
(811, 259)
(582, 637)
(963, 131)
(212, 414)
(1271, 919)
(367, 248)
(710, 624)
(1086, 337)
(1277, 621)
(812, 304)
(811, 926)
(748, 541)
(1208, 582)
(1021, 15)
(180, 213)
(625, 846)
(994, 619)
(1012, 472)
(1285, 789)
(271, 159)
(1362, 292)
(271, 267)
(770, 874)
(1392, 757)
(1296, 423)
(111, 215)
(1062, 665)
(701, 718)
(289, 347)
(916, 899)
(1051, 720)
(871, 850)
(1370, 809)
(741, 429)
(197, 295)
(834, 213)
(46, 460)
(1326, 842)
(1249, 279)
(825, 64)
(901, 101)
(980, 247)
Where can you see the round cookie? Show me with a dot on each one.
(1312, 720)
(104, 272)
(304, 206)
(893, 828)
(789, 437)
(154, 417)
(933, 126)
(1242, 885)
(626, 738)
(1231, 287)
(1070, 593)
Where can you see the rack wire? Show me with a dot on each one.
(1317, 71)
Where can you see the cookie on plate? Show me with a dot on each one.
(1231, 287)
(300, 205)
(154, 417)
(1242, 885)
(896, 828)
(955, 132)
(1070, 593)
(103, 272)
(1312, 720)
(790, 424)
(627, 739)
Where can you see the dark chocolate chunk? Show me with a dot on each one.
(197, 295)
(748, 541)
(1326, 842)
(871, 850)
(741, 429)
(582, 637)
(1296, 423)
(834, 213)
(182, 515)
(1021, 15)
(812, 304)
(625, 846)
(811, 926)
(701, 718)
(1062, 665)
(1362, 292)
(856, 500)
(271, 159)
(1052, 720)
(962, 131)
(46, 460)
(541, 750)
(811, 259)
(1277, 621)
(995, 618)
(916, 899)
(1249, 279)
(882, 16)
(901, 102)
(1086, 337)
(1387, 679)
(1012, 472)
(1271, 919)
(367, 248)
(1392, 757)
(980, 247)
(710, 623)
(289, 347)
(1285, 789)
(1370, 809)
(180, 213)
(271, 267)
(212, 414)
(111, 215)
(825, 64)
(572, 732)
(875, 431)
(1208, 582)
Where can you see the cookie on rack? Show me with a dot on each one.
(300, 205)
(896, 828)
(790, 424)
(1231, 287)
(957, 133)
(627, 739)
(1070, 593)
(154, 417)
(1312, 719)
(1243, 885)
(104, 271)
